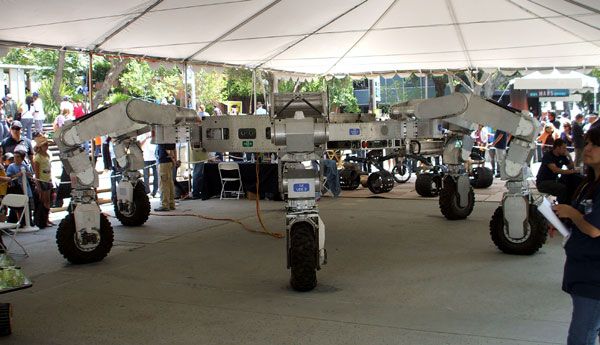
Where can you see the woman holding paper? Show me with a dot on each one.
(582, 269)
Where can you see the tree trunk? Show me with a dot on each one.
(58, 77)
(117, 66)
(297, 85)
(440, 85)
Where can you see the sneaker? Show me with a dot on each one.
(162, 209)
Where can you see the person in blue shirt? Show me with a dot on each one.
(501, 139)
(582, 268)
(14, 170)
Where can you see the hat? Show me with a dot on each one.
(8, 95)
(35, 94)
(8, 156)
(16, 124)
(40, 140)
(20, 149)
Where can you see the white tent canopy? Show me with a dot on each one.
(317, 36)
(555, 79)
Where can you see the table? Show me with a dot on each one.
(268, 177)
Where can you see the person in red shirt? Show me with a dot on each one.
(78, 110)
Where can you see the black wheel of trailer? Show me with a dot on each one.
(303, 257)
(534, 237)
(349, 179)
(482, 177)
(140, 209)
(428, 184)
(93, 246)
(450, 201)
(5, 319)
(380, 182)
(401, 172)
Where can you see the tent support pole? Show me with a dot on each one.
(91, 100)
(189, 146)
(185, 84)
(254, 90)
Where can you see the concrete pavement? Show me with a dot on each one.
(398, 273)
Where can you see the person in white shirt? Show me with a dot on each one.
(260, 110)
(149, 152)
(27, 117)
(38, 113)
(66, 104)
(202, 111)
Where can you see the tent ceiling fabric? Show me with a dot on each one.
(321, 37)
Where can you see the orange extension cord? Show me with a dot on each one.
(265, 231)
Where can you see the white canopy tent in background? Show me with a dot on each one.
(555, 79)
(319, 37)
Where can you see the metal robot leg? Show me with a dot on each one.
(85, 234)
(305, 240)
(457, 198)
(132, 206)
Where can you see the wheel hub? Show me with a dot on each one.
(517, 240)
(87, 240)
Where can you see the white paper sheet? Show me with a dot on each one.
(545, 209)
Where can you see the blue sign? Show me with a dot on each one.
(301, 187)
(548, 93)
(354, 131)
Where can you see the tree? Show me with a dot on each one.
(116, 68)
(74, 65)
(58, 76)
(341, 95)
(209, 88)
(136, 80)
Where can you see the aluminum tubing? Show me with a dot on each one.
(321, 133)
(278, 137)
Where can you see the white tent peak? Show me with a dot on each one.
(556, 79)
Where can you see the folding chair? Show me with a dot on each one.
(229, 172)
(11, 229)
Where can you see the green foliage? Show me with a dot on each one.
(118, 97)
(48, 60)
(51, 108)
(167, 82)
(239, 83)
(341, 94)
(141, 81)
(100, 69)
(315, 85)
(137, 79)
(210, 88)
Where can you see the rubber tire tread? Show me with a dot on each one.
(5, 319)
(423, 185)
(303, 257)
(449, 201)
(484, 177)
(142, 207)
(537, 237)
(380, 175)
(65, 239)
(403, 179)
(354, 181)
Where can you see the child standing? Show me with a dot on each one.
(43, 182)
(14, 171)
